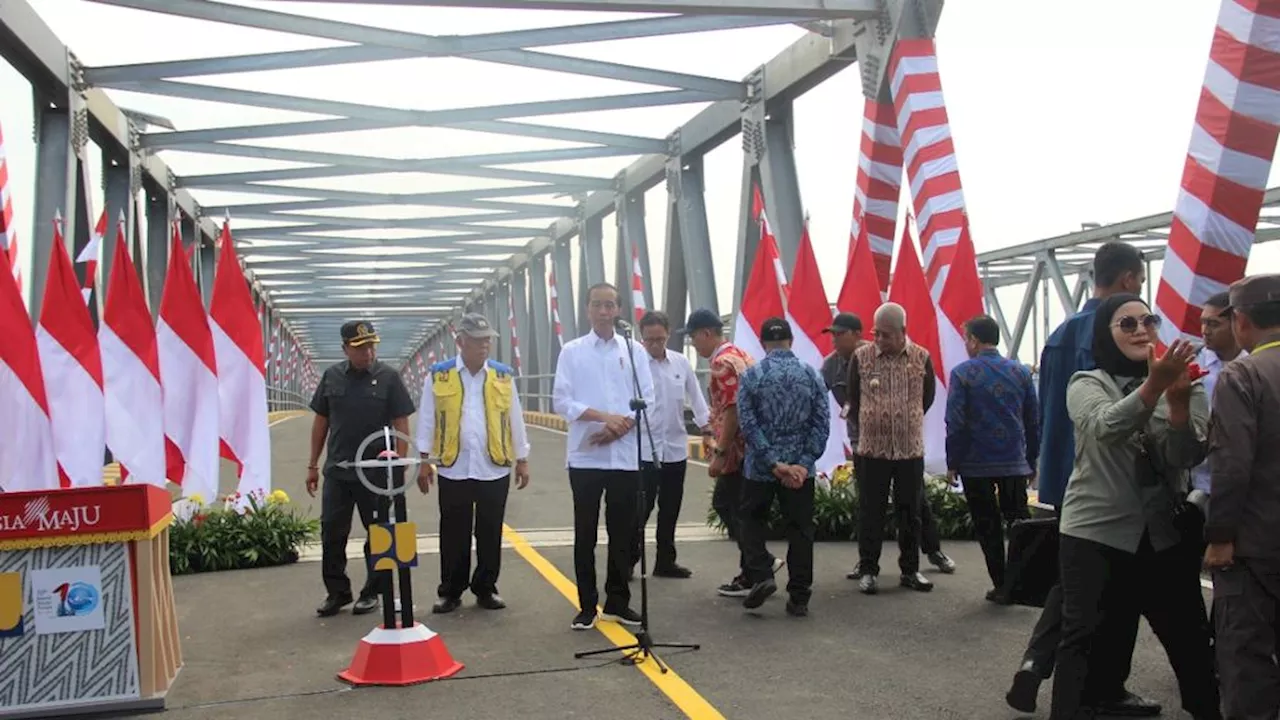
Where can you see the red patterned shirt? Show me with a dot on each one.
(728, 363)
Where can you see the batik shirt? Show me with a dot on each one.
(783, 411)
(728, 363)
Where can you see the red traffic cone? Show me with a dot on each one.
(400, 657)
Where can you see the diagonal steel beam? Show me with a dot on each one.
(320, 240)
(315, 127)
(427, 118)
(576, 183)
(367, 224)
(392, 223)
(817, 9)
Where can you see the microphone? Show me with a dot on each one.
(622, 326)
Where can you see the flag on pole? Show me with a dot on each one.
(89, 257)
(860, 293)
(189, 377)
(131, 373)
(809, 298)
(242, 382)
(27, 456)
(72, 364)
(8, 233)
(910, 289)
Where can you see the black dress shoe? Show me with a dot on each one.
(1130, 705)
(446, 605)
(333, 604)
(672, 571)
(365, 605)
(490, 601)
(1026, 685)
(796, 609)
(916, 582)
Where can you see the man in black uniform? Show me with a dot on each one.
(354, 399)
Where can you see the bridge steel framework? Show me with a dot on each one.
(497, 249)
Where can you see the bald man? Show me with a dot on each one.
(891, 386)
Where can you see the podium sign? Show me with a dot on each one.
(86, 606)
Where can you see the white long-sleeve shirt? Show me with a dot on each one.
(473, 461)
(673, 383)
(1208, 361)
(595, 373)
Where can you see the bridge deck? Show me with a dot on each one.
(254, 648)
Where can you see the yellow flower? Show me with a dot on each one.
(842, 475)
(196, 499)
(278, 497)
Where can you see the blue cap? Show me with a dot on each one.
(702, 319)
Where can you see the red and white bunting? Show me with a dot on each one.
(555, 307)
(189, 378)
(1224, 178)
(131, 373)
(637, 284)
(515, 339)
(879, 186)
(932, 170)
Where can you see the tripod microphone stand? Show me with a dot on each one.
(643, 648)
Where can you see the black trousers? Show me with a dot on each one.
(797, 510)
(874, 480)
(1246, 608)
(338, 499)
(726, 500)
(464, 505)
(619, 490)
(930, 538)
(1104, 590)
(994, 503)
(665, 487)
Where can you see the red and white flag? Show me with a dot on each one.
(910, 289)
(89, 256)
(131, 374)
(637, 285)
(72, 364)
(808, 301)
(189, 376)
(767, 295)
(242, 382)
(860, 293)
(27, 456)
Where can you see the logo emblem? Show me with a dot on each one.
(76, 599)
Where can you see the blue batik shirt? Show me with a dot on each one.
(783, 415)
(993, 418)
(1068, 350)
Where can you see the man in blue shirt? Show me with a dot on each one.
(783, 415)
(1117, 268)
(993, 440)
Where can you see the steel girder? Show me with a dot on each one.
(1056, 272)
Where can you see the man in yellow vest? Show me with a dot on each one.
(471, 428)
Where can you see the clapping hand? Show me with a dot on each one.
(1171, 366)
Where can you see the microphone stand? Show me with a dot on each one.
(643, 648)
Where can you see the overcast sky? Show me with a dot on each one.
(1062, 113)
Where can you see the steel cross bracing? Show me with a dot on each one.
(314, 261)
(1056, 272)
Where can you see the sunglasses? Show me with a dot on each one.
(1129, 323)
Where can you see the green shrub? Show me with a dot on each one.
(835, 511)
(265, 533)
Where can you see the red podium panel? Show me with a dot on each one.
(87, 619)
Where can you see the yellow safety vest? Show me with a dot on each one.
(447, 389)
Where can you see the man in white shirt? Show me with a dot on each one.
(471, 427)
(673, 383)
(595, 382)
(1220, 348)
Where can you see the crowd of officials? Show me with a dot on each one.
(1155, 464)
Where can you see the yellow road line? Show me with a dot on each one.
(671, 684)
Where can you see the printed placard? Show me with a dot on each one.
(68, 599)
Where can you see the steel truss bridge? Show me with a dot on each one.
(487, 247)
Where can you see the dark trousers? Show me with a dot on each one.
(464, 505)
(930, 538)
(907, 479)
(1104, 591)
(991, 515)
(338, 499)
(726, 500)
(619, 489)
(665, 487)
(797, 512)
(1246, 608)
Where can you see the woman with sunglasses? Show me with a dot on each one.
(1140, 425)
